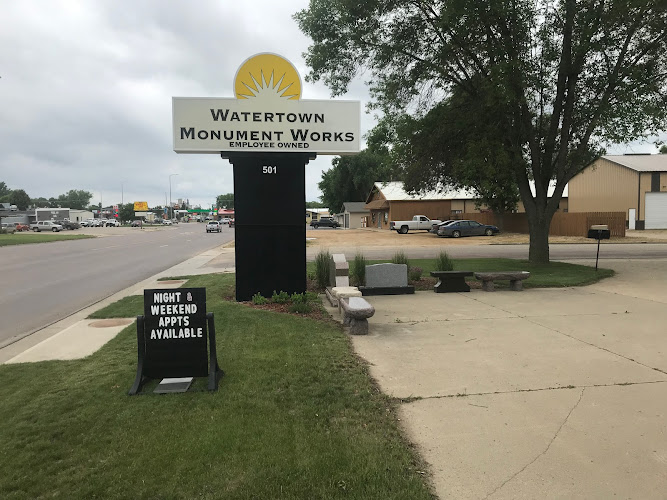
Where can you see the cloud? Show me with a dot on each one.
(86, 92)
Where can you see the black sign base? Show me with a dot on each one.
(270, 220)
(214, 371)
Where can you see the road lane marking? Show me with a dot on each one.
(162, 246)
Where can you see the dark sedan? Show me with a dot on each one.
(467, 228)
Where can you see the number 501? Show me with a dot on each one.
(269, 169)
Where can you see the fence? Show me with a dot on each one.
(562, 224)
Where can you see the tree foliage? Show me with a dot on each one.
(351, 178)
(19, 198)
(568, 77)
(225, 200)
(126, 212)
(4, 191)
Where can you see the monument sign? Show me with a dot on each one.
(268, 133)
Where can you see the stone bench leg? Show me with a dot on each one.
(487, 286)
(358, 326)
(516, 285)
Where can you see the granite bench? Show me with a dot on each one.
(451, 281)
(356, 311)
(515, 278)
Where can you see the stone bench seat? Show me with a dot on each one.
(451, 281)
(356, 311)
(515, 278)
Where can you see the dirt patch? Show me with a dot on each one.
(370, 237)
(378, 237)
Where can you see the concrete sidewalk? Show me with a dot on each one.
(545, 393)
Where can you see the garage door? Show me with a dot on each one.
(656, 211)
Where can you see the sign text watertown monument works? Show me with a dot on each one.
(269, 134)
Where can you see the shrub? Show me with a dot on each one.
(443, 262)
(258, 300)
(414, 273)
(280, 298)
(322, 263)
(400, 258)
(300, 308)
(299, 298)
(311, 297)
(358, 270)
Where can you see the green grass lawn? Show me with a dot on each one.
(25, 238)
(296, 416)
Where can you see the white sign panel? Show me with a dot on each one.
(267, 114)
(212, 125)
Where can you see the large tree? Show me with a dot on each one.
(4, 192)
(570, 77)
(19, 198)
(351, 178)
(77, 199)
(225, 200)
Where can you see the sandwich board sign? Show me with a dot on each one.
(269, 134)
(176, 338)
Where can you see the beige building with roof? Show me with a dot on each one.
(634, 184)
(388, 201)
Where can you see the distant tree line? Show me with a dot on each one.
(75, 198)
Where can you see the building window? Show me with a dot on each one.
(386, 217)
(655, 182)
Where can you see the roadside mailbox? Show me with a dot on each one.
(599, 232)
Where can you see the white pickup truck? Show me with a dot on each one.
(417, 222)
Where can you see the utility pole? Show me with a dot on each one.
(171, 206)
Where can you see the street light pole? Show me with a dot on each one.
(171, 205)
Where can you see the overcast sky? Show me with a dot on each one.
(86, 88)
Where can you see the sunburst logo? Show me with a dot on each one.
(267, 77)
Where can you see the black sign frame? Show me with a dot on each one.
(172, 338)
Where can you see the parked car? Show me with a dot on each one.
(438, 225)
(213, 226)
(21, 227)
(225, 220)
(68, 224)
(112, 223)
(136, 223)
(46, 225)
(324, 222)
(460, 228)
(86, 223)
(166, 222)
(7, 228)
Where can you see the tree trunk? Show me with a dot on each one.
(538, 224)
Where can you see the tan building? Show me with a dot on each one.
(388, 201)
(634, 184)
(316, 214)
(353, 215)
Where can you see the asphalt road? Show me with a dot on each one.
(46, 282)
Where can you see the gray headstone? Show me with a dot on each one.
(386, 275)
(339, 270)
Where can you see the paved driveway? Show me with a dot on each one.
(546, 393)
